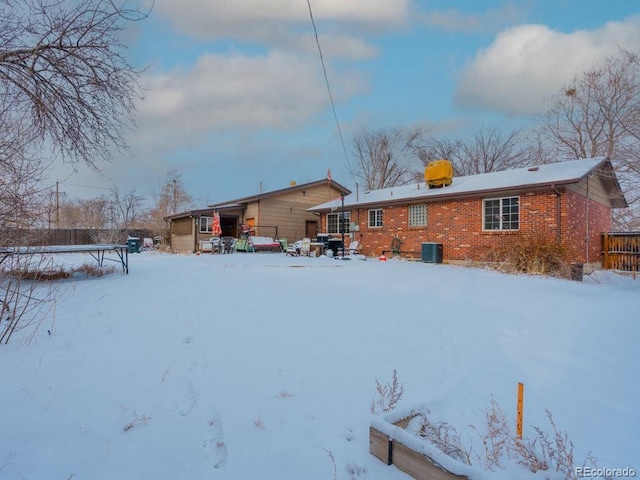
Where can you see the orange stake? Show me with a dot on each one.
(520, 410)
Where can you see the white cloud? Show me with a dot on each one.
(525, 65)
(283, 23)
(276, 91)
(227, 14)
(336, 46)
(488, 21)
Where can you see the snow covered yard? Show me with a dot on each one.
(262, 366)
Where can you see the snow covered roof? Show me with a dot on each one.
(252, 198)
(547, 175)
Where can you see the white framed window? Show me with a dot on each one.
(501, 213)
(333, 222)
(375, 218)
(418, 215)
(205, 224)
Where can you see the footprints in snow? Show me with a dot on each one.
(213, 441)
(215, 450)
(188, 397)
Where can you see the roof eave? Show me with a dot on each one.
(456, 195)
(294, 188)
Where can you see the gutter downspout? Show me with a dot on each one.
(357, 211)
(586, 260)
(558, 214)
(194, 225)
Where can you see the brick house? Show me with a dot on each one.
(282, 213)
(569, 202)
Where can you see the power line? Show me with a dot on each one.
(326, 79)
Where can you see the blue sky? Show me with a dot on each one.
(236, 100)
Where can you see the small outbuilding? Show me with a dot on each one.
(277, 214)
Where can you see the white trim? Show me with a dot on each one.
(500, 216)
(378, 217)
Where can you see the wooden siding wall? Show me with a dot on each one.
(182, 235)
(621, 251)
(289, 211)
(182, 243)
(596, 191)
(182, 226)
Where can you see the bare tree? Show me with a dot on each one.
(441, 148)
(488, 150)
(64, 77)
(88, 213)
(128, 208)
(388, 158)
(66, 88)
(491, 150)
(23, 203)
(171, 198)
(598, 114)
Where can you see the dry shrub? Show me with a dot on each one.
(43, 275)
(555, 452)
(93, 270)
(389, 394)
(50, 272)
(498, 440)
(444, 437)
(137, 419)
(501, 446)
(543, 452)
(36, 267)
(532, 254)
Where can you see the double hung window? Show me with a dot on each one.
(375, 218)
(501, 213)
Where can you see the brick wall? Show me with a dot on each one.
(457, 224)
(575, 211)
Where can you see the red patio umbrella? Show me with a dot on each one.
(216, 229)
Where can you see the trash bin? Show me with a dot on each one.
(577, 270)
(134, 244)
(431, 252)
(335, 245)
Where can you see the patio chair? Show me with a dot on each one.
(227, 244)
(305, 247)
(294, 248)
(215, 245)
(354, 248)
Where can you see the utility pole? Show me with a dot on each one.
(57, 204)
(175, 196)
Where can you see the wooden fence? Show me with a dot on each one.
(621, 251)
(71, 236)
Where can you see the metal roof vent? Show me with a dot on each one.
(533, 169)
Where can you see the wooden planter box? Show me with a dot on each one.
(389, 442)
